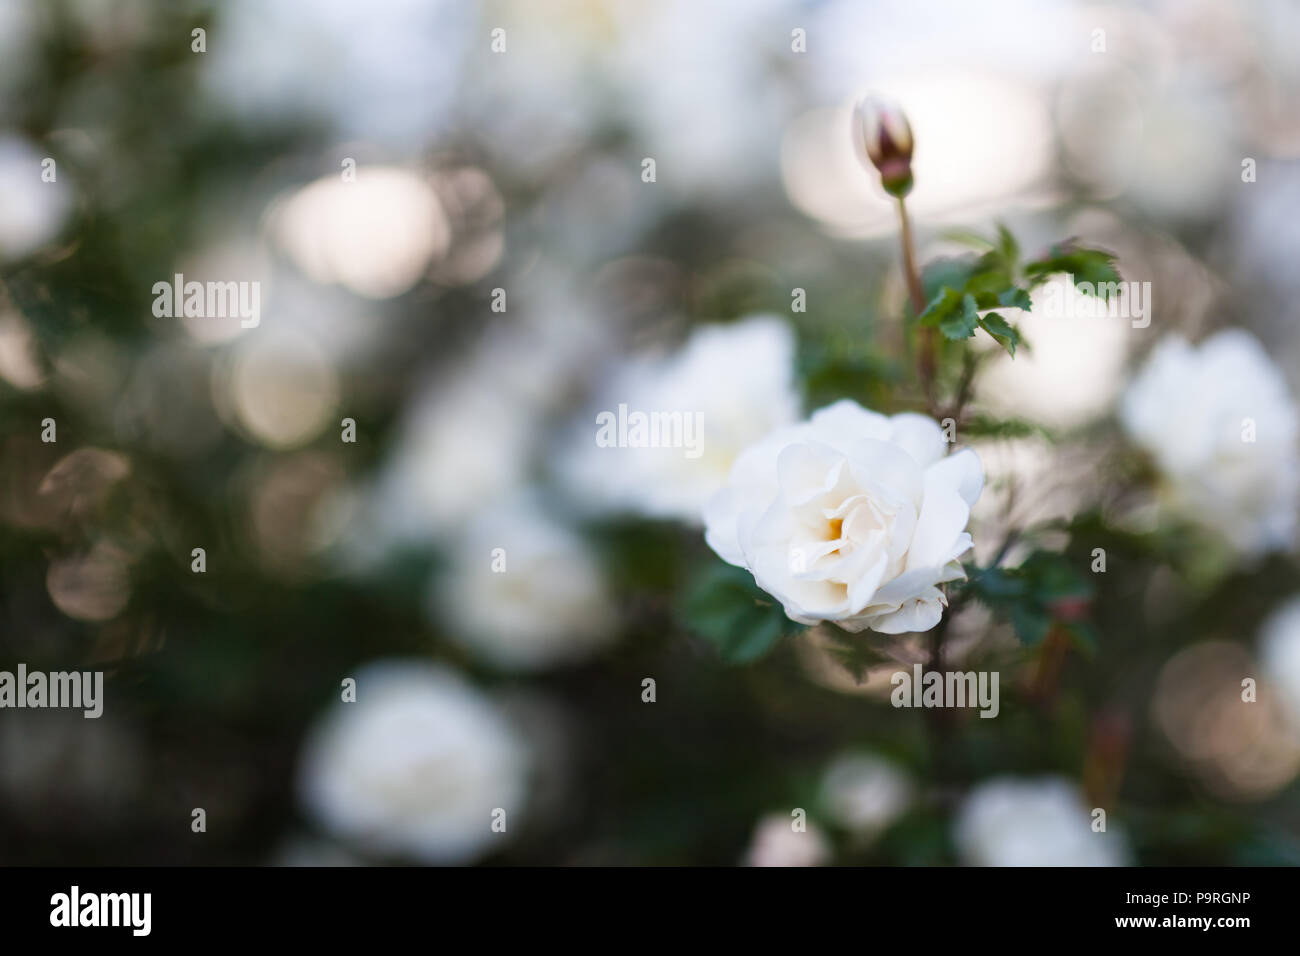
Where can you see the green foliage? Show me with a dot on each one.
(1082, 264)
(856, 653)
(952, 312)
(730, 611)
(1045, 589)
(985, 426)
(959, 288)
(1001, 330)
(847, 368)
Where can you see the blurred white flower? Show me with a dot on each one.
(1033, 822)
(865, 793)
(850, 517)
(522, 590)
(777, 843)
(1279, 653)
(1222, 427)
(464, 443)
(415, 767)
(31, 211)
(737, 379)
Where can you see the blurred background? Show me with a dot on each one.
(462, 255)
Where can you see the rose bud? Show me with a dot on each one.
(883, 138)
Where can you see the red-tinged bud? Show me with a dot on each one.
(883, 138)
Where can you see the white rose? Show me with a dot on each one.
(1279, 652)
(1193, 409)
(864, 793)
(415, 767)
(850, 517)
(524, 592)
(1042, 822)
(738, 383)
(777, 843)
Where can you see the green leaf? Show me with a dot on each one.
(727, 609)
(847, 367)
(1031, 623)
(990, 279)
(951, 272)
(1053, 578)
(993, 585)
(961, 288)
(1093, 266)
(1002, 331)
(1007, 246)
(953, 313)
(961, 323)
(1015, 298)
(944, 303)
(852, 652)
(969, 238)
(1004, 250)
(984, 426)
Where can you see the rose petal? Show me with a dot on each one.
(919, 436)
(962, 472)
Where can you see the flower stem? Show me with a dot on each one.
(926, 343)
(914, 288)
